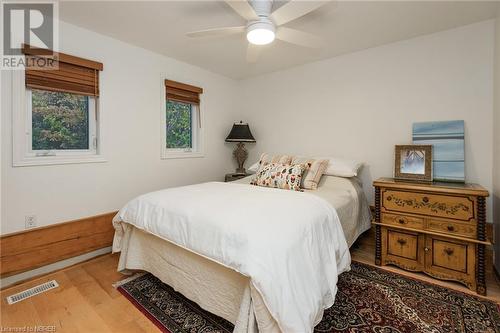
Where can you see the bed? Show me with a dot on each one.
(230, 290)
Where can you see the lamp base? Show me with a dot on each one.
(241, 154)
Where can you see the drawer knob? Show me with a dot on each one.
(401, 241)
(448, 251)
(426, 249)
(402, 221)
(425, 199)
(450, 228)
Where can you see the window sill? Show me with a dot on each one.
(166, 156)
(54, 160)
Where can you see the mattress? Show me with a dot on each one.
(347, 197)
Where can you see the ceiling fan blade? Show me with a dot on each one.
(299, 38)
(216, 32)
(244, 9)
(294, 9)
(253, 53)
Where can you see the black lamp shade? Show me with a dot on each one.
(240, 133)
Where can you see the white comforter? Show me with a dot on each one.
(290, 244)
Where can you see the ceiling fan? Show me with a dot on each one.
(263, 25)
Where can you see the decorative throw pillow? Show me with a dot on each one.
(283, 176)
(314, 170)
(266, 158)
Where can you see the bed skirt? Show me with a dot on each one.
(213, 287)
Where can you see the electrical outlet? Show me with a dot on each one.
(30, 221)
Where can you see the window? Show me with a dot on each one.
(58, 120)
(61, 122)
(182, 121)
(180, 125)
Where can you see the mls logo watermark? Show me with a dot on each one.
(29, 34)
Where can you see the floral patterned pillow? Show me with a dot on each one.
(282, 176)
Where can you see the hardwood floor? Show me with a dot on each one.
(84, 302)
(87, 302)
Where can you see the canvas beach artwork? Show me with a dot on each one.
(447, 139)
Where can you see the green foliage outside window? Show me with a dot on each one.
(59, 120)
(179, 124)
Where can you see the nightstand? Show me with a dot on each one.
(235, 176)
(435, 228)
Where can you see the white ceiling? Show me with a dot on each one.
(346, 26)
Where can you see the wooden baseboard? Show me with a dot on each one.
(27, 250)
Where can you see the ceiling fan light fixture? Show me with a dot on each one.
(261, 33)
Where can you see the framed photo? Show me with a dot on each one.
(413, 162)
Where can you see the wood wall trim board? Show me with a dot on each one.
(30, 249)
(26, 250)
(41, 276)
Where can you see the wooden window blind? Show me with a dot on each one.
(72, 74)
(182, 92)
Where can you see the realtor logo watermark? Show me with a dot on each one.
(29, 27)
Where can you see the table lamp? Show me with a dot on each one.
(240, 133)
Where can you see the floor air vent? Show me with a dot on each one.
(41, 288)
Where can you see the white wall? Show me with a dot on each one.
(357, 105)
(360, 105)
(496, 145)
(131, 89)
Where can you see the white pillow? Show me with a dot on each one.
(254, 167)
(336, 167)
(341, 167)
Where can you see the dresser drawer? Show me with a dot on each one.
(402, 245)
(452, 207)
(463, 229)
(449, 255)
(403, 221)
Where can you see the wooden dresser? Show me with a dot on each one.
(435, 228)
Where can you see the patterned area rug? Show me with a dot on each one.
(368, 300)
